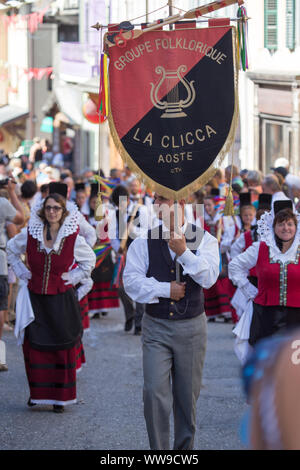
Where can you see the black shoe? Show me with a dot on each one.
(58, 408)
(29, 403)
(128, 324)
(96, 315)
(138, 331)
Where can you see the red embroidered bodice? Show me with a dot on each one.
(278, 282)
(47, 268)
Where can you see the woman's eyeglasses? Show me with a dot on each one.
(53, 208)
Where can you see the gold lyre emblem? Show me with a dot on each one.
(173, 106)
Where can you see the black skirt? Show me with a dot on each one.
(268, 321)
(57, 324)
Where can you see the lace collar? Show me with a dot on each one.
(70, 225)
(266, 234)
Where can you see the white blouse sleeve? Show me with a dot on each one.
(87, 231)
(138, 286)
(238, 246)
(16, 246)
(85, 258)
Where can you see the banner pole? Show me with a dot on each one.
(176, 231)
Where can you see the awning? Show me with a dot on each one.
(10, 113)
(69, 100)
(91, 86)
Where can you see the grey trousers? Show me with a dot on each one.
(173, 358)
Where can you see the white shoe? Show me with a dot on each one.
(3, 366)
(7, 327)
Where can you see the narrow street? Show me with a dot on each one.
(109, 412)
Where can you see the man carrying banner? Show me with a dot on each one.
(174, 325)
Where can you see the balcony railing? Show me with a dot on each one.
(78, 62)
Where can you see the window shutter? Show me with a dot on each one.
(271, 24)
(290, 24)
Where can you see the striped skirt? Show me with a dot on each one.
(51, 375)
(84, 310)
(103, 297)
(217, 300)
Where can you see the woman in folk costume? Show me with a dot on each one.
(242, 243)
(217, 298)
(103, 295)
(276, 300)
(85, 285)
(51, 243)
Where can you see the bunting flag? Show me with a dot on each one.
(101, 252)
(36, 73)
(32, 19)
(107, 184)
(173, 105)
(220, 203)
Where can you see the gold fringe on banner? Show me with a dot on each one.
(210, 172)
(229, 204)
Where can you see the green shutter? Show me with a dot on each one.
(290, 24)
(271, 16)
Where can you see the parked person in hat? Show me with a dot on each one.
(128, 220)
(276, 302)
(174, 325)
(10, 211)
(51, 244)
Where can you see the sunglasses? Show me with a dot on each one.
(53, 208)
